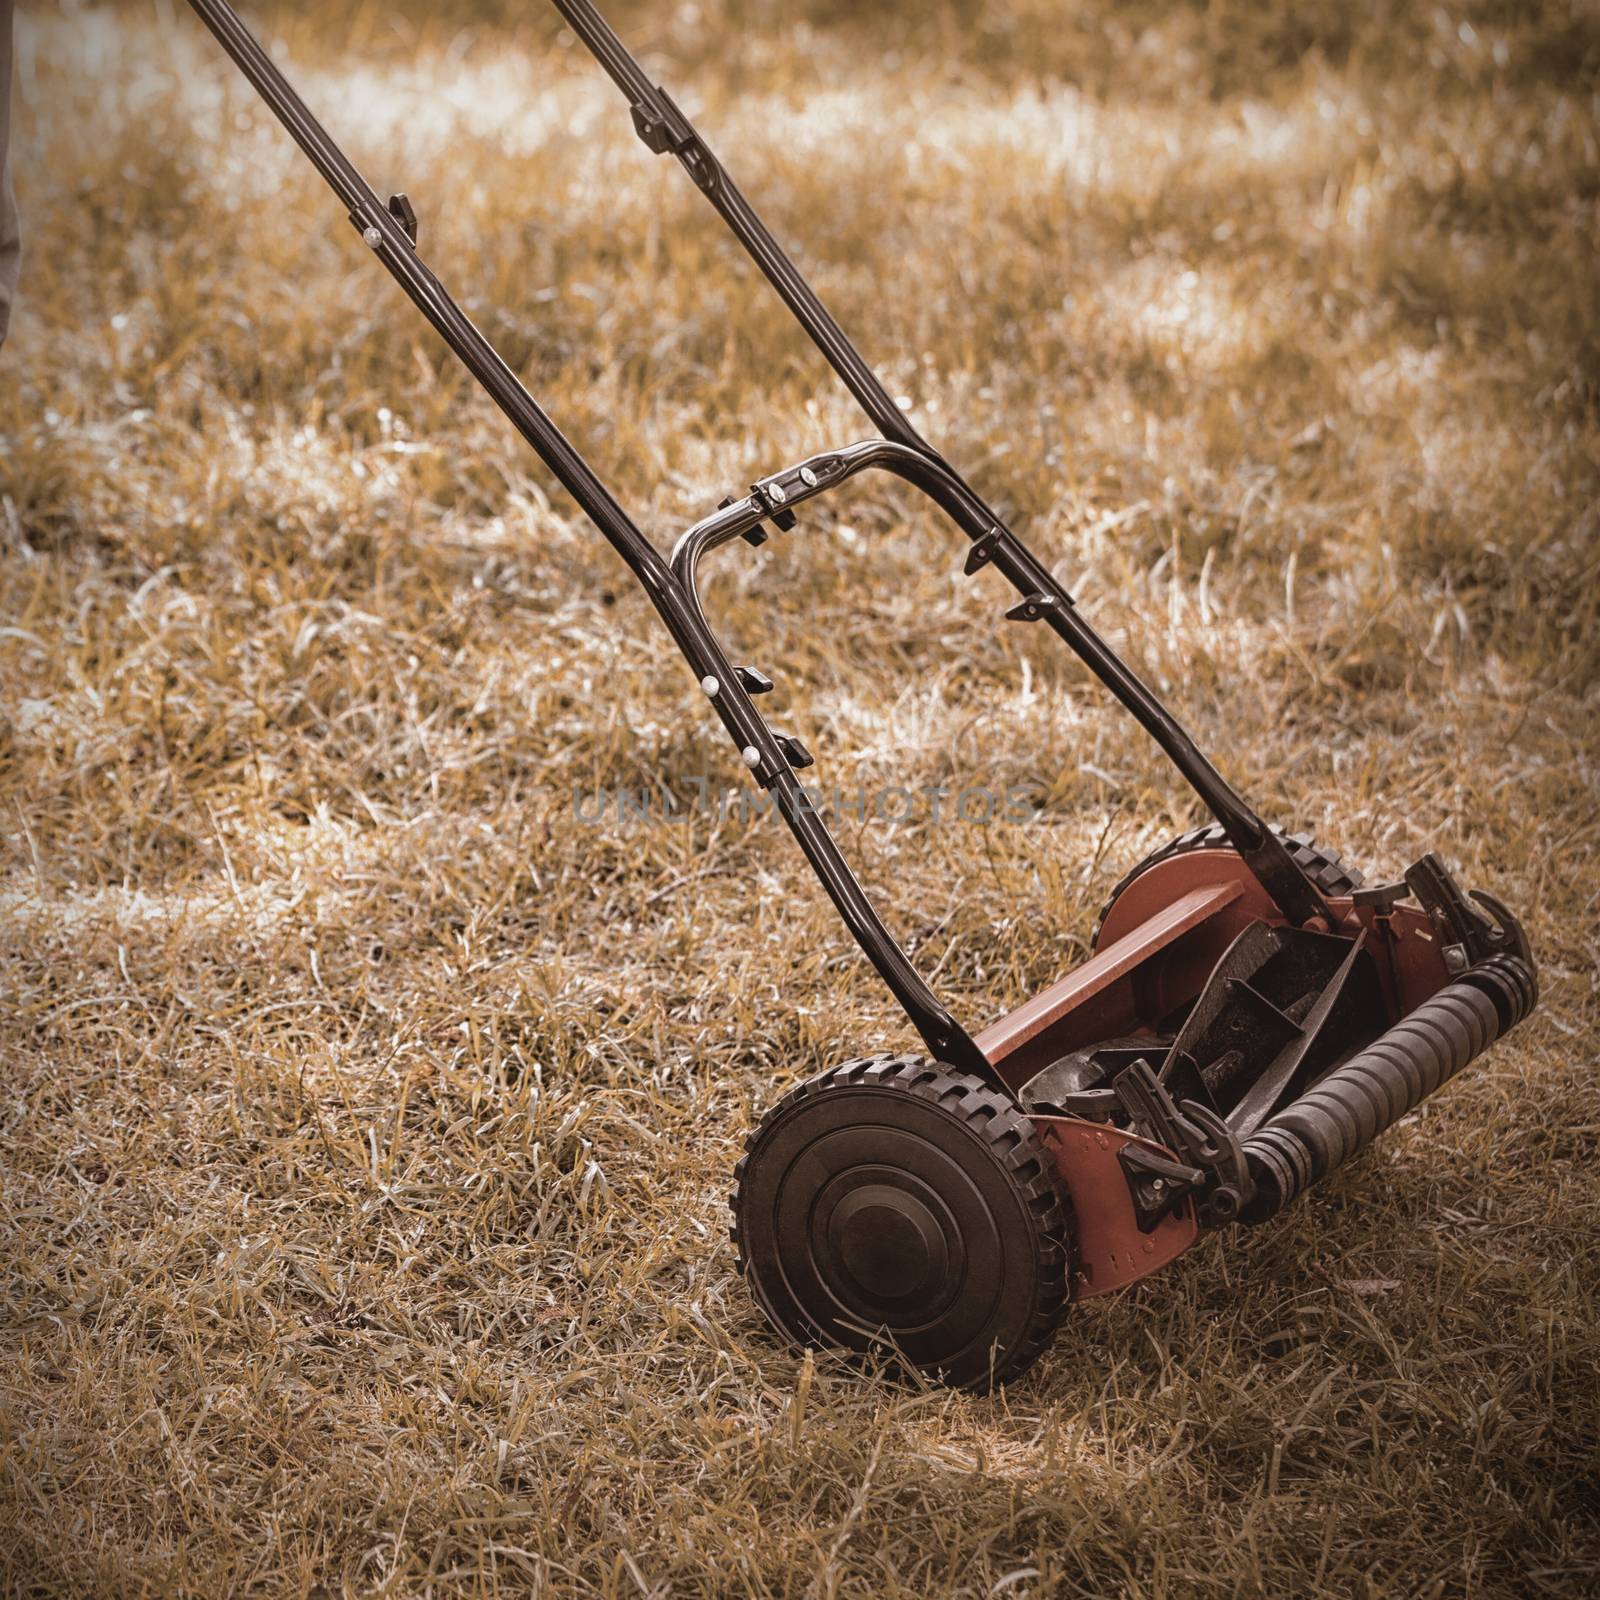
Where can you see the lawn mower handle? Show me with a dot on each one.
(389, 231)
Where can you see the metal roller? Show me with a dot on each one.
(1371, 1091)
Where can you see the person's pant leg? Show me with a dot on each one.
(10, 232)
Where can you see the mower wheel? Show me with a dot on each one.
(894, 1204)
(1324, 868)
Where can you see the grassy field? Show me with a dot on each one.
(369, 1111)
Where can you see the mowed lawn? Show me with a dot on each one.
(371, 1090)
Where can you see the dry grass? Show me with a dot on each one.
(368, 1120)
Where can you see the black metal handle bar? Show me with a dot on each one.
(665, 129)
(1044, 599)
(391, 236)
(768, 761)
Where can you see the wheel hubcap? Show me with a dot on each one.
(881, 1245)
(894, 1236)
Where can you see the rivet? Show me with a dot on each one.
(752, 756)
(808, 477)
(775, 491)
(709, 684)
(372, 236)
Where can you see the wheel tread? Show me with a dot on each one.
(1326, 870)
(1014, 1143)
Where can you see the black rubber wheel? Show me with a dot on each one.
(1325, 869)
(894, 1204)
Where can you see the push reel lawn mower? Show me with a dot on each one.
(1251, 1016)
